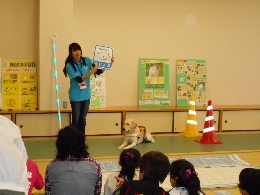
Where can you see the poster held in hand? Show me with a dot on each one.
(102, 57)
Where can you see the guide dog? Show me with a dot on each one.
(134, 134)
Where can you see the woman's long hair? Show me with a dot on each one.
(183, 172)
(69, 59)
(129, 161)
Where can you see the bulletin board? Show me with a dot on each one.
(19, 84)
(154, 82)
(191, 81)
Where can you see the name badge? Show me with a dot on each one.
(83, 85)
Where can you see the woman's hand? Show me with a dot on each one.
(120, 181)
(94, 69)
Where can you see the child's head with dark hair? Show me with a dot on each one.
(154, 165)
(183, 174)
(129, 160)
(71, 142)
(249, 181)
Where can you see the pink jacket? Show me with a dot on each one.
(34, 176)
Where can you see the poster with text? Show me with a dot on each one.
(102, 57)
(154, 82)
(191, 81)
(98, 91)
(19, 84)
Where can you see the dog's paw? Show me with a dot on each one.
(120, 147)
(127, 147)
(153, 141)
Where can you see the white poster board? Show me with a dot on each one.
(102, 57)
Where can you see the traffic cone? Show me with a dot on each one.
(209, 136)
(191, 126)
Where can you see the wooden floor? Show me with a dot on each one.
(251, 156)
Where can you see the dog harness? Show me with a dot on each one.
(138, 135)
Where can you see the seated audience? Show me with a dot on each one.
(13, 157)
(73, 171)
(129, 161)
(154, 168)
(34, 176)
(249, 181)
(184, 178)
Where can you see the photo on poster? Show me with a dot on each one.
(154, 69)
(201, 83)
(154, 74)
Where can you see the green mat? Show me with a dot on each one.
(98, 147)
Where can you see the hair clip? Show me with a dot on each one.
(129, 155)
(188, 173)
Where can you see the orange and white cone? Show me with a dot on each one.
(209, 136)
(191, 126)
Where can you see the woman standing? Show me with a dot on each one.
(79, 69)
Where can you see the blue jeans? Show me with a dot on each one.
(79, 113)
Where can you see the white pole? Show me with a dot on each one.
(53, 37)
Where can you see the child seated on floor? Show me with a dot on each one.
(184, 178)
(129, 161)
(73, 171)
(249, 181)
(154, 168)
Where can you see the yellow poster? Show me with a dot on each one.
(191, 81)
(19, 84)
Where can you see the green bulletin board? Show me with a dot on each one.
(191, 81)
(154, 82)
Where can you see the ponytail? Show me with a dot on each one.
(70, 60)
(183, 172)
(129, 161)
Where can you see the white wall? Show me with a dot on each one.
(223, 32)
(56, 17)
(19, 34)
